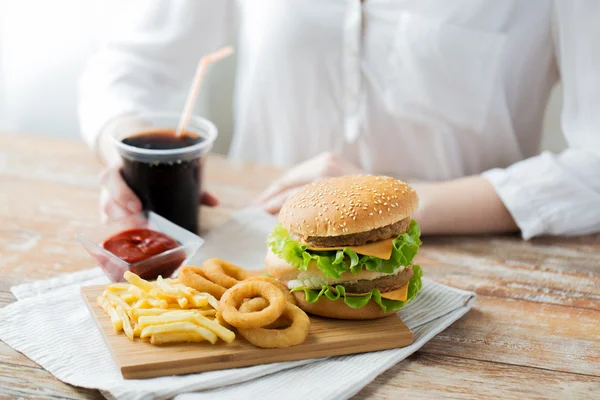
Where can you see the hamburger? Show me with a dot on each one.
(345, 245)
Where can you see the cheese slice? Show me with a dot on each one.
(382, 249)
(398, 294)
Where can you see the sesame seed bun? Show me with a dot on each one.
(338, 309)
(347, 205)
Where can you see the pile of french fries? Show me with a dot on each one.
(165, 311)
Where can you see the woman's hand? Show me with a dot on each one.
(117, 200)
(324, 165)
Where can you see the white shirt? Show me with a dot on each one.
(424, 89)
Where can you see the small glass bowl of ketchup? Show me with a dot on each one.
(145, 244)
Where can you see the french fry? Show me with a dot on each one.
(135, 313)
(157, 293)
(137, 281)
(179, 327)
(214, 303)
(167, 289)
(184, 289)
(137, 330)
(112, 313)
(182, 301)
(116, 300)
(176, 337)
(141, 304)
(158, 303)
(198, 300)
(165, 311)
(137, 291)
(207, 313)
(219, 319)
(126, 323)
(117, 287)
(128, 297)
(179, 311)
(222, 332)
(166, 319)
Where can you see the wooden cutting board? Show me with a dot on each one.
(327, 337)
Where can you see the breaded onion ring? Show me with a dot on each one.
(293, 335)
(194, 277)
(224, 273)
(290, 297)
(258, 303)
(233, 298)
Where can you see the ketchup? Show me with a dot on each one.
(137, 245)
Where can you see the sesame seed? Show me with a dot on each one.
(379, 211)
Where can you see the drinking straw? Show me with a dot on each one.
(195, 88)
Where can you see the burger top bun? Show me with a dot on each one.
(347, 205)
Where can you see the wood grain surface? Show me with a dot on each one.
(534, 331)
(327, 337)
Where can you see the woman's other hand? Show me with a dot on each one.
(324, 165)
(117, 200)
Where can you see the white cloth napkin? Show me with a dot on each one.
(51, 325)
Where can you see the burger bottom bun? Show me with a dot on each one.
(338, 309)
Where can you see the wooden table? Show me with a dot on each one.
(534, 331)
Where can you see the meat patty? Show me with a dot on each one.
(358, 239)
(383, 284)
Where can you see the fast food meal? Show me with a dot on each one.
(164, 311)
(187, 310)
(345, 247)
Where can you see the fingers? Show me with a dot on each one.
(109, 209)
(208, 199)
(280, 186)
(118, 191)
(273, 205)
(117, 200)
(322, 166)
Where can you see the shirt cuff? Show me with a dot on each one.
(518, 202)
(551, 194)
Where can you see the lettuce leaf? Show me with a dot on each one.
(339, 292)
(335, 262)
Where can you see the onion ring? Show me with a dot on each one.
(290, 297)
(224, 273)
(259, 303)
(194, 277)
(233, 298)
(277, 338)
